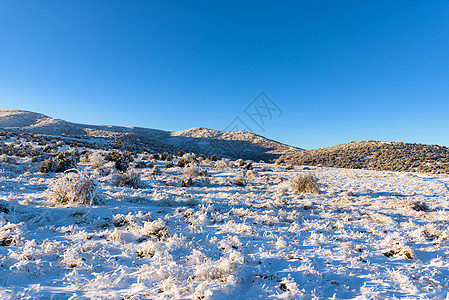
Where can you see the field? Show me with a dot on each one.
(217, 229)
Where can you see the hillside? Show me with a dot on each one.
(374, 155)
(245, 145)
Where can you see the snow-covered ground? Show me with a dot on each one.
(366, 235)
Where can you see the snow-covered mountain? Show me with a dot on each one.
(245, 145)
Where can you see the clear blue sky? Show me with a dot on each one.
(340, 71)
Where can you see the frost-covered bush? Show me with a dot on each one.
(186, 182)
(223, 164)
(75, 188)
(155, 170)
(239, 180)
(130, 178)
(61, 163)
(192, 171)
(97, 160)
(182, 163)
(306, 183)
(155, 229)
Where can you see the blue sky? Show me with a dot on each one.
(340, 71)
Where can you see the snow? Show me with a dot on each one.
(366, 235)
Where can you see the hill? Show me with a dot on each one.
(245, 145)
(374, 155)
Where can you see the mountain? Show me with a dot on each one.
(245, 145)
(374, 155)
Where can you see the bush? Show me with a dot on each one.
(180, 153)
(129, 178)
(213, 158)
(61, 163)
(223, 164)
(239, 181)
(97, 160)
(240, 162)
(306, 183)
(75, 187)
(122, 165)
(182, 163)
(48, 166)
(186, 183)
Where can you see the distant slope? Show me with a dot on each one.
(230, 144)
(375, 155)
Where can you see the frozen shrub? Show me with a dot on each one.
(165, 156)
(122, 164)
(186, 183)
(129, 178)
(182, 163)
(169, 164)
(147, 249)
(240, 162)
(252, 174)
(213, 158)
(180, 153)
(189, 157)
(155, 170)
(61, 163)
(66, 160)
(279, 161)
(222, 164)
(48, 166)
(156, 229)
(192, 171)
(75, 188)
(122, 160)
(97, 160)
(142, 165)
(154, 156)
(239, 181)
(306, 183)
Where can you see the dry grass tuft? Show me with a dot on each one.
(306, 183)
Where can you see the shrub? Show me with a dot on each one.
(223, 164)
(141, 165)
(182, 163)
(75, 187)
(122, 164)
(192, 171)
(129, 178)
(66, 160)
(61, 163)
(213, 158)
(240, 162)
(306, 183)
(97, 160)
(239, 181)
(155, 170)
(154, 156)
(48, 165)
(279, 161)
(186, 183)
(180, 153)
